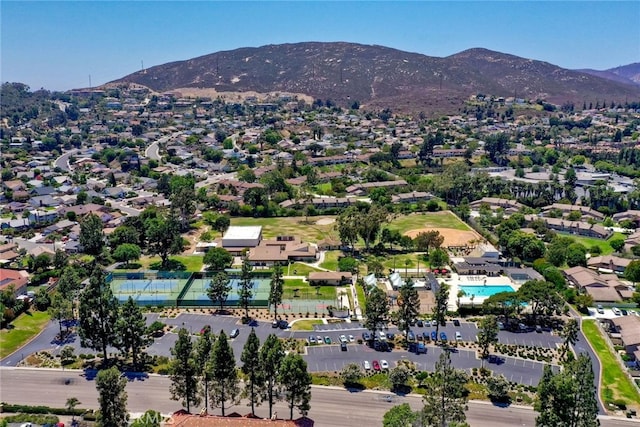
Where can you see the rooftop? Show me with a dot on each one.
(243, 232)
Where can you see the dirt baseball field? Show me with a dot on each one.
(452, 237)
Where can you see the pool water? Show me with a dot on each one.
(484, 291)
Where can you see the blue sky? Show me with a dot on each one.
(58, 44)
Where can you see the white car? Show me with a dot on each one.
(616, 311)
(343, 338)
(352, 338)
(384, 364)
(367, 365)
(382, 335)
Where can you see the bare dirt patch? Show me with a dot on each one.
(452, 237)
(325, 221)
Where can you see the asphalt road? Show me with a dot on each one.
(62, 162)
(329, 406)
(153, 150)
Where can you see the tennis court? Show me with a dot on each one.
(196, 293)
(147, 288)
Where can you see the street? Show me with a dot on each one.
(329, 406)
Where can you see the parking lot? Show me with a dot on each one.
(323, 357)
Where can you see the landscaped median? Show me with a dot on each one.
(21, 330)
(617, 388)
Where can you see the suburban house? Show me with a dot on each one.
(630, 215)
(239, 238)
(282, 249)
(365, 187)
(16, 278)
(416, 196)
(509, 206)
(608, 264)
(472, 266)
(321, 202)
(329, 278)
(602, 287)
(574, 227)
(585, 211)
(625, 331)
(8, 253)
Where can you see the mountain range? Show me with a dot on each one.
(383, 77)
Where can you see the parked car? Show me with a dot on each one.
(275, 324)
(443, 336)
(539, 329)
(384, 364)
(456, 322)
(366, 365)
(419, 323)
(376, 365)
(351, 338)
(600, 309)
(458, 336)
(616, 311)
(382, 336)
(319, 339)
(421, 348)
(343, 338)
(366, 336)
(312, 339)
(327, 340)
(425, 335)
(501, 326)
(283, 324)
(391, 336)
(434, 323)
(624, 312)
(411, 336)
(343, 346)
(234, 333)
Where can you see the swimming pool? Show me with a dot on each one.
(484, 291)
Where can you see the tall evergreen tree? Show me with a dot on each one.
(487, 334)
(61, 309)
(98, 314)
(445, 396)
(183, 372)
(569, 335)
(271, 355)
(568, 398)
(219, 288)
(441, 306)
(245, 289)
(376, 310)
(112, 398)
(68, 283)
(296, 382)
(252, 369)
(224, 376)
(408, 304)
(276, 289)
(91, 235)
(201, 354)
(131, 336)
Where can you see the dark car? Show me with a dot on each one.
(343, 346)
(366, 336)
(425, 335)
(434, 335)
(443, 336)
(624, 312)
(275, 324)
(419, 323)
(283, 324)
(456, 322)
(391, 336)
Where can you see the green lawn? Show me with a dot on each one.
(305, 325)
(299, 269)
(398, 261)
(291, 226)
(25, 327)
(615, 383)
(331, 260)
(307, 292)
(443, 219)
(590, 241)
(191, 262)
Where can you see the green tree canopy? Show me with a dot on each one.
(112, 398)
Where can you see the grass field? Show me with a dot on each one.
(331, 260)
(307, 292)
(443, 219)
(305, 325)
(299, 269)
(191, 262)
(291, 226)
(25, 327)
(615, 383)
(588, 242)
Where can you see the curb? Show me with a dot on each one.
(26, 343)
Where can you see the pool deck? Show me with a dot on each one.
(456, 280)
